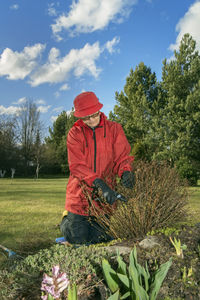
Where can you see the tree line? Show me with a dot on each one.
(161, 120)
(24, 148)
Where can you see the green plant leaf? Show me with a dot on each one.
(184, 247)
(110, 276)
(133, 266)
(126, 295)
(50, 297)
(143, 275)
(72, 292)
(158, 279)
(115, 296)
(124, 279)
(142, 272)
(121, 266)
(147, 278)
(135, 272)
(137, 289)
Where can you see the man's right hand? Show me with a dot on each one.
(109, 195)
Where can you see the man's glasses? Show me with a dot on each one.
(91, 117)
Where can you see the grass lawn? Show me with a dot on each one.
(30, 211)
(194, 203)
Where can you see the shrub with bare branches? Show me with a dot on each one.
(158, 200)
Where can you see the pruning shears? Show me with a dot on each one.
(118, 197)
(121, 198)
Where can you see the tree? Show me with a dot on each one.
(37, 153)
(29, 127)
(8, 148)
(181, 120)
(137, 105)
(162, 119)
(56, 142)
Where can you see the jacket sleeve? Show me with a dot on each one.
(122, 159)
(76, 159)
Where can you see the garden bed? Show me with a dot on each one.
(21, 279)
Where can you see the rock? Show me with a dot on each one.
(121, 249)
(149, 242)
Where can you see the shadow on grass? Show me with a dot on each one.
(5, 235)
(25, 249)
(31, 247)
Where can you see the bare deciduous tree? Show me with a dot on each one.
(29, 126)
(8, 138)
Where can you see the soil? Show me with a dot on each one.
(181, 281)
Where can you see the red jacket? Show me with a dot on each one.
(94, 153)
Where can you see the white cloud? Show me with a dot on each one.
(11, 110)
(20, 101)
(51, 10)
(43, 109)
(111, 44)
(57, 94)
(91, 15)
(17, 65)
(64, 87)
(14, 6)
(53, 118)
(190, 23)
(40, 102)
(58, 109)
(16, 109)
(78, 61)
(24, 99)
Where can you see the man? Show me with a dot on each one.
(98, 151)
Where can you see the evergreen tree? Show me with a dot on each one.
(181, 116)
(136, 107)
(162, 119)
(56, 142)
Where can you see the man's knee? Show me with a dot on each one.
(75, 228)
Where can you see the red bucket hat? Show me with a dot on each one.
(86, 104)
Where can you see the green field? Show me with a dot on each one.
(31, 210)
(194, 203)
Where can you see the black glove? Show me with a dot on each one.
(108, 193)
(128, 179)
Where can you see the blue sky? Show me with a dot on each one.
(50, 51)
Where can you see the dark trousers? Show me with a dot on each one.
(79, 229)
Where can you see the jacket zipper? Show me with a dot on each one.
(95, 149)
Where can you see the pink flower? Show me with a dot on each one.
(55, 270)
(54, 285)
(62, 282)
(47, 279)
